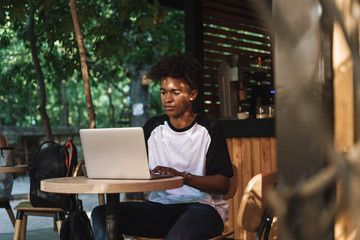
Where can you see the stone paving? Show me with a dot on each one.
(38, 234)
(38, 227)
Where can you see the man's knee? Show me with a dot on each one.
(99, 213)
(199, 222)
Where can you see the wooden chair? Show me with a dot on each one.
(25, 209)
(5, 203)
(254, 215)
(227, 196)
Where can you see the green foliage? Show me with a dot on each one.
(155, 106)
(116, 33)
(13, 10)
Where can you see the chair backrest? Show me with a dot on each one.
(78, 169)
(233, 184)
(254, 201)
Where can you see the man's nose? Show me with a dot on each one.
(168, 97)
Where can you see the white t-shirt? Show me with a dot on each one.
(200, 149)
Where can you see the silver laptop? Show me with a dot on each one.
(116, 153)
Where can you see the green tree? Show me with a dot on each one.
(118, 36)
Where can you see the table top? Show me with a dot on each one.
(83, 185)
(14, 169)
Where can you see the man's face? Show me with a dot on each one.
(176, 97)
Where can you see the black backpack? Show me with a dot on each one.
(77, 225)
(52, 162)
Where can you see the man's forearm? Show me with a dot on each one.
(216, 184)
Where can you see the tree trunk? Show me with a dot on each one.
(111, 109)
(64, 105)
(30, 105)
(42, 94)
(11, 112)
(84, 68)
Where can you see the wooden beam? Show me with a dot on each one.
(194, 39)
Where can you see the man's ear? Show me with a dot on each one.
(193, 94)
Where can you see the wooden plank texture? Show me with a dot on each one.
(233, 27)
(251, 156)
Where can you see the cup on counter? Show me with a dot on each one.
(243, 115)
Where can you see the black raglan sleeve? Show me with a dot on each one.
(217, 158)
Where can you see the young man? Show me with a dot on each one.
(186, 144)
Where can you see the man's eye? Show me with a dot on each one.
(162, 93)
(176, 93)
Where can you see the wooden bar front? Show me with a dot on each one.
(251, 155)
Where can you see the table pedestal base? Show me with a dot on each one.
(112, 209)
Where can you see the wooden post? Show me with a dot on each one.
(344, 128)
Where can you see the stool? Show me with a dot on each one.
(5, 203)
(25, 209)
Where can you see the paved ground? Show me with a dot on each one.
(38, 234)
(38, 227)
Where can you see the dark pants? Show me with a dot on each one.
(173, 221)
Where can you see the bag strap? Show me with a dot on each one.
(3, 141)
(42, 144)
(68, 144)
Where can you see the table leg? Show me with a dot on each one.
(112, 209)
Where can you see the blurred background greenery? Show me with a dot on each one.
(122, 39)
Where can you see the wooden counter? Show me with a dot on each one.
(252, 148)
(248, 127)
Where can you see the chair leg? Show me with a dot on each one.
(58, 224)
(267, 228)
(10, 213)
(101, 199)
(23, 227)
(262, 226)
(59, 217)
(19, 218)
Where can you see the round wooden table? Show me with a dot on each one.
(14, 169)
(83, 185)
(112, 188)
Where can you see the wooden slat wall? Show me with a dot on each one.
(233, 26)
(230, 27)
(251, 156)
